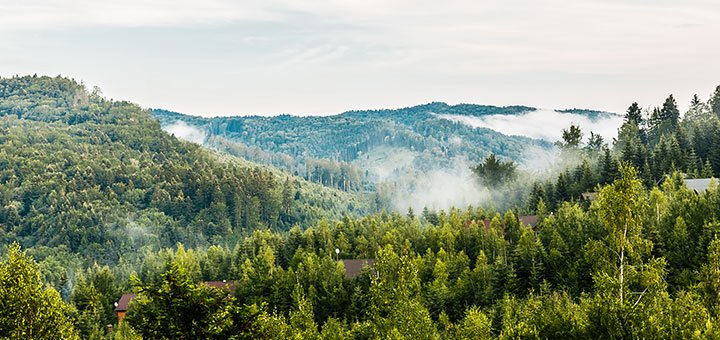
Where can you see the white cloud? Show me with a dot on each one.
(184, 131)
(542, 124)
(49, 14)
(441, 188)
(373, 53)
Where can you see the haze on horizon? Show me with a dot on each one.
(223, 57)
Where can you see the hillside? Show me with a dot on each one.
(99, 178)
(296, 143)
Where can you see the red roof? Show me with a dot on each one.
(122, 304)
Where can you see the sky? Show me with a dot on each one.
(229, 57)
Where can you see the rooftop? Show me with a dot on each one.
(122, 304)
(699, 185)
(354, 267)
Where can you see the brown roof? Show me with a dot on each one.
(353, 267)
(122, 304)
(531, 220)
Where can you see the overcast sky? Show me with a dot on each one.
(222, 57)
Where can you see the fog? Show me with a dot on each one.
(538, 160)
(184, 131)
(440, 188)
(543, 124)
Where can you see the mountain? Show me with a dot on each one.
(358, 148)
(100, 178)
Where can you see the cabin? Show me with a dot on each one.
(122, 305)
(353, 268)
(589, 196)
(530, 220)
(699, 185)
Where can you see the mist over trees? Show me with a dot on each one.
(96, 201)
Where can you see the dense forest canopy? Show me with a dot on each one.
(339, 151)
(100, 178)
(97, 201)
(411, 157)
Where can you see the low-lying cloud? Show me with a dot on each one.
(441, 188)
(543, 124)
(184, 131)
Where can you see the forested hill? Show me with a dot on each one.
(80, 174)
(305, 145)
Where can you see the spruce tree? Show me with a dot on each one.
(715, 102)
(670, 112)
(634, 114)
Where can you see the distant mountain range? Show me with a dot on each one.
(378, 143)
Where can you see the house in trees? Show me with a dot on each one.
(699, 185)
(589, 196)
(530, 220)
(353, 268)
(122, 305)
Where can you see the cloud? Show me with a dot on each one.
(184, 131)
(542, 124)
(329, 56)
(49, 14)
(440, 188)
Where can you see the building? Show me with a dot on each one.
(122, 305)
(353, 268)
(699, 185)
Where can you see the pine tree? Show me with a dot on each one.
(715, 102)
(634, 114)
(670, 112)
(572, 137)
(709, 276)
(707, 170)
(695, 101)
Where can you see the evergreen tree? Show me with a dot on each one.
(571, 137)
(494, 172)
(715, 102)
(634, 114)
(670, 112)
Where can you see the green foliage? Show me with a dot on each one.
(28, 310)
(102, 179)
(494, 172)
(571, 137)
(179, 308)
(100, 194)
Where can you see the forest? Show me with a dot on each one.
(332, 150)
(96, 201)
